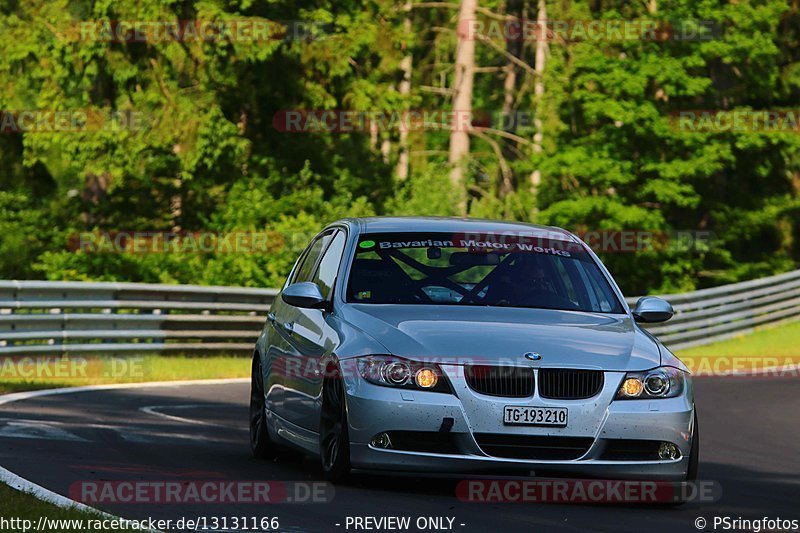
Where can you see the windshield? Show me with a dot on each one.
(478, 269)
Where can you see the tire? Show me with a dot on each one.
(260, 443)
(334, 437)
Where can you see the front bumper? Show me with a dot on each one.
(598, 421)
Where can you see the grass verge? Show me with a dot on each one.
(22, 512)
(775, 347)
(23, 374)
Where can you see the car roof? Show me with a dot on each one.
(455, 225)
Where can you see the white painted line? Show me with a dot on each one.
(21, 484)
(37, 430)
(154, 410)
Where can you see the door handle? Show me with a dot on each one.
(271, 318)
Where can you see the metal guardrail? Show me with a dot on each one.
(41, 317)
(711, 315)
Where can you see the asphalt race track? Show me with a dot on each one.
(750, 443)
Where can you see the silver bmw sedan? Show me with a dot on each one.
(459, 345)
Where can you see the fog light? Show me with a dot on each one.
(381, 440)
(426, 378)
(667, 450)
(632, 387)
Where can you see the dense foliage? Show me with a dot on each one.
(595, 123)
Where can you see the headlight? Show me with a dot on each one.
(391, 371)
(661, 382)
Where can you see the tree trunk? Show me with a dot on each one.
(176, 205)
(538, 86)
(462, 101)
(406, 65)
(515, 9)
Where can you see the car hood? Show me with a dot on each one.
(503, 334)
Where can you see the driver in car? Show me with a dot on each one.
(537, 290)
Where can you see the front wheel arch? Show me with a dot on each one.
(261, 444)
(334, 434)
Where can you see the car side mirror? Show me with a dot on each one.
(304, 294)
(650, 309)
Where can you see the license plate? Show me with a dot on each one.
(515, 415)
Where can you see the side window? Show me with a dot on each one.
(329, 265)
(306, 267)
